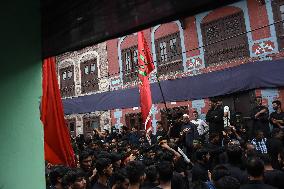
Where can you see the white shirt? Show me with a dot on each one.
(202, 127)
(227, 119)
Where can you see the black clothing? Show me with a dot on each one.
(256, 185)
(178, 181)
(214, 117)
(274, 178)
(274, 147)
(175, 131)
(199, 172)
(262, 122)
(237, 173)
(99, 186)
(277, 116)
(148, 185)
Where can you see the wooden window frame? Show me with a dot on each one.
(67, 84)
(89, 80)
(169, 61)
(225, 39)
(130, 70)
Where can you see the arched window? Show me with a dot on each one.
(169, 54)
(67, 83)
(225, 39)
(89, 76)
(129, 64)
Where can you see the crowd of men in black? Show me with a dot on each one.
(220, 152)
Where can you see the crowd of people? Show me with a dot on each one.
(220, 152)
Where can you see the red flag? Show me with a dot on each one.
(146, 65)
(57, 144)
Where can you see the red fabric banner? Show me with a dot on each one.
(57, 144)
(146, 66)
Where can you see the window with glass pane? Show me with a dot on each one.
(135, 57)
(93, 68)
(173, 46)
(89, 76)
(64, 75)
(67, 83)
(163, 50)
(70, 74)
(128, 61)
(282, 14)
(86, 69)
(169, 54)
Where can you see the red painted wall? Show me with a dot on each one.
(112, 56)
(258, 18)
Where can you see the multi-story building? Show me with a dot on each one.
(210, 42)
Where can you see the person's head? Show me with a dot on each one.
(159, 125)
(136, 172)
(234, 153)
(116, 160)
(218, 172)
(120, 180)
(228, 131)
(212, 103)
(195, 115)
(56, 174)
(227, 182)
(151, 173)
(258, 100)
(266, 159)
(74, 179)
(86, 161)
(214, 138)
(259, 135)
(277, 133)
(185, 118)
(255, 167)
(276, 104)
(165, 171)
(104, 167)
(202, 155)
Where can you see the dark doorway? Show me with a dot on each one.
(89, 124)
(71, 124)
(172, 115)
(241, 102)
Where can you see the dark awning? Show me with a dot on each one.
(254, 75)
(73, 24)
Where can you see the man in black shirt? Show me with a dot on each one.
(201, 167)
(259, 115)
(104, 168)
(277, 117)
(255, 169)
(275, 146)
(214, 117)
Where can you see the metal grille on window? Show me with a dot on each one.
(222, 40)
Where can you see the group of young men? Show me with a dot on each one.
(219, 152)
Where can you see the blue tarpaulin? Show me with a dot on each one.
(261, 74)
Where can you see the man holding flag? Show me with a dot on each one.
(146, 66)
